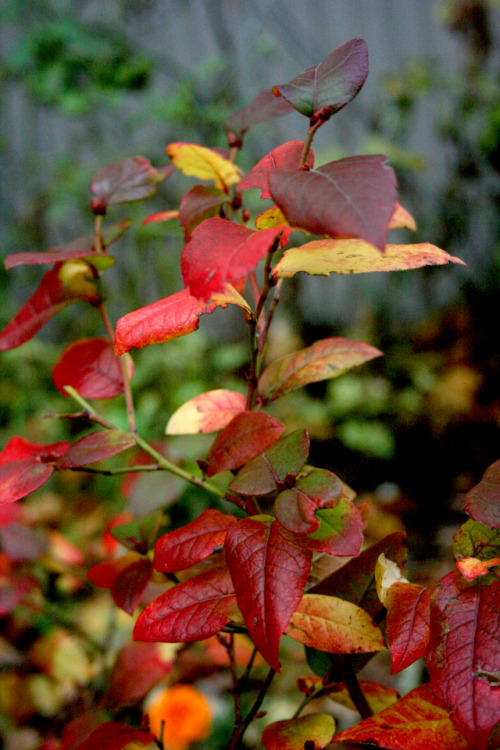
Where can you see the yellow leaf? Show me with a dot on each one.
(204, 163)
(231, 296)
(387, 572)
(402, 219)
(323, 257)
(271, 217)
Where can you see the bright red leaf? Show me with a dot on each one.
(286, 156)
(464, 653)
(221, 251)
(408, 623)
(126, 577)
(184, 547)
(190, 611)
(25, 466)
(90, 367)
(114, 736)
(95, 447)
(482, 502)
(269, 572)
(130, 180)
(246, 435)
(352, 197)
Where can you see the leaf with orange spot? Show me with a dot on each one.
(208, 412)
(204, 163)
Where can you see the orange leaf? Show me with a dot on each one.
(205, 164)
(471, 567)
(207, 412)
(402, 219)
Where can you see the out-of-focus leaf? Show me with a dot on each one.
(408, 623)
(95, 447)
(13, 590)
(208, 412)
(286, 156)
(90, 367)
(464, 653)
(264, 106)
(200, 203)
(246, 435)
(402, 219)
(294, 734)
(115, 736)
(161, 216)
(332, 84)
(189, 611)
(323, 257)
(352, 197)
(269, 572)
(482, 502)
(325, 359)
(126, 577)
(221, 251)
(416, 722)
(334, 625)
(204, 163)
(261, 475)
(184, 547)
(137, 669)
(130, 180)
(25, 466)
(475, 539)
(21, 543)
(137, 534)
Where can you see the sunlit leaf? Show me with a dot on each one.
(294, 734)
(352, 197)
(90, 367)
(323, 257)
(130, 180)
(482, 502)
(95, 447)
(408, 623)
(331, 84)
(286, 156)
(204, 163)
(264, 106)
(325, 359)
(161, 216)
(269, 572)
(207, 412)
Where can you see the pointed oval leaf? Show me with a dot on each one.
(325, 359)
(90, 367)
(332, 84)
(200, 203)
(323, 257)
(408, 623)
(482, 502)
(293, 734)
(261, 475)
(334, 625)
(464, 653)
(126, 577)
(130, 180)
(352, 197)
(19, 478)
(416, 722)
(286, 156)
(184, 547)
(246, 435)
(115, 736)
(161, 216)
(190, 611)
(262, 107)
(208, 412)
(221, 251)
(269, 572)
(204, 163)
(95, 447)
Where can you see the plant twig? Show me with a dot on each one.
(342, 663)
(307, 143)
(240, 730)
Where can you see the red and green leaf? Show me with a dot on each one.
(269, 572)
(482, 502)
(475, 539)
(408, 623)
(286, 156)
(208, 412)
(90, 367)
(313, 731)
(130, 180)
(95, 447)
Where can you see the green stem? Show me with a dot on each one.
(240, 730)
(307, 699)
(114, 472)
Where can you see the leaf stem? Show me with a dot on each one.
(98, 245)
(343, 664)
(307, 143)
(240, 730)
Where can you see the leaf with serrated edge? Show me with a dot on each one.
(190, 611)
(323, 257)
(207, 412)
(204, 163)
(482, 502)
(197, 540)
(330, 624)
(269, 572)
(91, 367)
(294, 734)
(416, 722)
(408, 623)
(325, 359)
(95, 447)
(286, 156)
(464, 649)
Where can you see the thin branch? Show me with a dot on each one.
(343, 664)
(307, 143)
(240, 730)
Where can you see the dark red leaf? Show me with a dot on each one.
(221, 251)
(137, 669)
(264, 106)
(184, 547)
(464, 653)
(90, 367)
(200, 203)
(482, 502)
(126, 577)
(246, 435)
(286, 156)
(408, 623)
(269, 572)
(129, 180)
(352, 197)
(114, 736)
(331, 84)
(189, 611)
(95, 447)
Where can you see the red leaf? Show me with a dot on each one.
(137, 669)
(180, 549)
(200, 203)
(190, 611)
(95, 447)
(408, 623)
(269, 573)
(114, 736)
(25, 466)
(129, 180)
(90, 367)
(464, 653)
(208, 412)
(353, 197)
(52, 296)
(19, 448)
(416, 722)
(286, 156)
(126, 577)
(221, 251)
(246, 435)
(332, 84)
(482, 502)
(262, 107)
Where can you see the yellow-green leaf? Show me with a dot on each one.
(204, 163)
(292, 734)
(323, 257)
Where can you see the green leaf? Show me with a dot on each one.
(475, 539)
